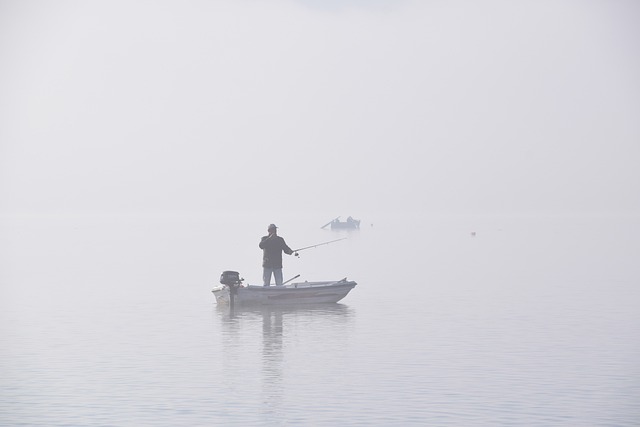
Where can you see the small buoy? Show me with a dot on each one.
(473, 234)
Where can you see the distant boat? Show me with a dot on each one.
(349, 224)
(288, 294)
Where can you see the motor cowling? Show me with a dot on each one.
(230, 278)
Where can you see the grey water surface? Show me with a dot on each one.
(532, 321)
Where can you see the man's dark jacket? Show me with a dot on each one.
(272, 249)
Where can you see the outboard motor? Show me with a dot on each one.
(233, 281)
(230, 278)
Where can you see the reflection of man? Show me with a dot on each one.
(272, 247)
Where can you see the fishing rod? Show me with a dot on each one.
(314, 246)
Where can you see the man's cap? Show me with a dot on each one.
(272, 227)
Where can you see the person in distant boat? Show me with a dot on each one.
(272, 248)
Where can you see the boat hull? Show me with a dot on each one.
(292, 294)
(353, 225)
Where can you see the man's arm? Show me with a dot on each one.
(286, 249)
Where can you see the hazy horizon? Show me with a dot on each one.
(308, 106)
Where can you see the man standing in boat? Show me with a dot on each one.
(272, 247)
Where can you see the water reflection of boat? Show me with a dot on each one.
(253, 312)
(289, 294)
(250, 364)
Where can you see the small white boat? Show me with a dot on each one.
(288, 294)
(349, 224)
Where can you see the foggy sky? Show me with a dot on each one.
(345, 107)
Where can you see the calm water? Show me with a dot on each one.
(109, 321)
